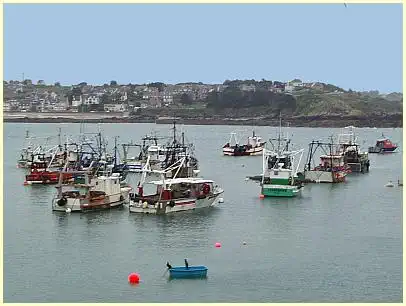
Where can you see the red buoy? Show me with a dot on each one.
(133, 278)
(218, 245)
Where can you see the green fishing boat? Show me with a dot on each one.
(279, 169)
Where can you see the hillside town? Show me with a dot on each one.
(26, 96)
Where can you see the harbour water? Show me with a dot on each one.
(335, 243)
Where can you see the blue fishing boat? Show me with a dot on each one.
(188, 272)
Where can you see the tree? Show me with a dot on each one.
(158, 85)
(113, 83)
(105, 99)
(185, 99)
(57, 84)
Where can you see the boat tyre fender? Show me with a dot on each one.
(62, 202)
(172, 203)
(206, 189)
(290, 180)
(121, 198)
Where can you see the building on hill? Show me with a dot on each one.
(115, 107)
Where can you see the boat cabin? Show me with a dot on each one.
(178, 188)
(384, 143)
(285, 160)
(330, 161)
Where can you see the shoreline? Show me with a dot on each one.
(378, 121)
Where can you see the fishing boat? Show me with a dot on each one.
(133, 163)
(178, 149)
(254, 146)
(174, 194)
(383, 145)
(331, 169)
(95, 193)
(279, 177)
(41, 173)
(188, 272)
(348, 147)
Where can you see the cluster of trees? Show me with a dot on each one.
(235, 98)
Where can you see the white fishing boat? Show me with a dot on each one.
(254, 146)
(95, 193)
(174, 194)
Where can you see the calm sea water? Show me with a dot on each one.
(340, 243)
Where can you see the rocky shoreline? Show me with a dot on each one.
(379, 121)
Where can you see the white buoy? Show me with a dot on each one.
(68, 210)
(246, 178)
(221, 200)
(389, 184)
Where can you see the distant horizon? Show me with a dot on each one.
(210, 43)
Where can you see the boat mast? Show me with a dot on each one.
(280, 132)
(331, 158)
(115, 150)
(174, 131)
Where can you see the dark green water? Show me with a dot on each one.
(340, 243)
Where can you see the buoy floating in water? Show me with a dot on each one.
(133, 278)
(261, 196)
(389, 184)
(25, 183)
(221, 200)
(244, 243)
(218, 245)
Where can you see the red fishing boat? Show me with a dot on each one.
(40, 174)
(383, 145)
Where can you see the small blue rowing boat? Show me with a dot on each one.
(188, 272)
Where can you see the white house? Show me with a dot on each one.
(77, 101)
(92, 99)
(115, 107)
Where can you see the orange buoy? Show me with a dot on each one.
(133, 278)
(261, 196)
(218, 245)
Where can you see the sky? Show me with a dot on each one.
(357, 47)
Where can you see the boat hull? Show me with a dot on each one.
(317, 176)
(82, 205)
(167, 207)
(190, 272)
(46, 177)
(362, 167)
(230, 151)
(381, 150)
(270, 190)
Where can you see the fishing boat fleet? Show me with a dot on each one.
(90, 177)
(327, 162)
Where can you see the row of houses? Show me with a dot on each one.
(121, 98)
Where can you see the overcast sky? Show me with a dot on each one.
(357, 47)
